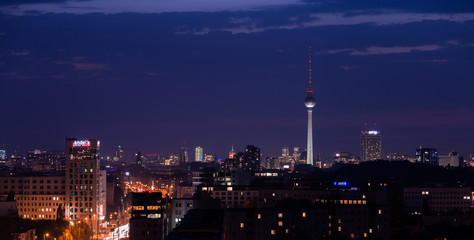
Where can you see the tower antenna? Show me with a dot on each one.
(310, 89)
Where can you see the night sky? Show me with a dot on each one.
(150, 75)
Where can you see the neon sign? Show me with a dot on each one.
(82, 143)
(341, 184)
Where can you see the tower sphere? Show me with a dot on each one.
(309, 102)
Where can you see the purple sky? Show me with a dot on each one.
(150, 75)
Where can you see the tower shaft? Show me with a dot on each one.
(309, 150)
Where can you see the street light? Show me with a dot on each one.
(45, 235)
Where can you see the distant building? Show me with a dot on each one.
(285, 153)
(209, 158)
(370, 145)
(396, 156)
(148, 219)
(44, 161)
(184, 155)
(3, 155)
(199, 156)
(427, 155)
(138, 158)
(232, 153)
(451, 160)
(345, 157)
(118, 154)
(272, 163)
(296, 153)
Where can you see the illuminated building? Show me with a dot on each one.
(148, 219)
(345, 157)
(296, 153)
(183, 156)
(451, 160)
(37, 197)
(82, 178)
(3, 155)
(370, 145)
(285, 153)
(118, 154)
(44, 161)
(199, 154)
(427, 155)
(310, 102)
(138, 158)
(232, 153)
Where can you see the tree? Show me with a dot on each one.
(81, 231)
(60, 213)
(11, 196)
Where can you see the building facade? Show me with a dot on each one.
(82, 179)
(370, 145)
(427, 155)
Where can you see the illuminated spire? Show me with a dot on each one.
(310, 88)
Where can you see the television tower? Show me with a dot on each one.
(310, 102)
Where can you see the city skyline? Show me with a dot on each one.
(173, 76)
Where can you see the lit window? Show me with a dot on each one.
(280, 215)
(280, 223)
(304, 214)
(380, 211)
(259, 216)
(339, 229)
(241, 225)
(273, 232)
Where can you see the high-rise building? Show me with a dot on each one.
(148, 220)
(82, 179)
(248, 161)
(370, 145)
(310, 102)
(183, 156)
(139, 158)
(296, 153)
(285, 153)
(427, 155)
(3, 155)
(118, 154)
(199, 156)
(232, 153)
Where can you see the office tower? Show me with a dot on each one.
(3, 155)
(138, 158)
(199, 154)
(285, 153)
(296, 153)
(310, 102)
(82, 179)
(232, 153)
(370, 145)
(183, 156)
(148, 220)
(272, 163)
(427, 155)
(118, 154)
